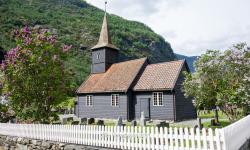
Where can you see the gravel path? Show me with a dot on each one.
(191, 123)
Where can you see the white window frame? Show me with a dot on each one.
(157, 99)
(89, 102)
(116, 100)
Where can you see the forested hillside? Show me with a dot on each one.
(77, 23)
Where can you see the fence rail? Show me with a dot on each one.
(149, 138)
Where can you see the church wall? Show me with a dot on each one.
(102, 107)
(165, 112)
(184, 107)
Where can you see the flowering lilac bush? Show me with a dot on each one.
(34, 75)
(222, 79)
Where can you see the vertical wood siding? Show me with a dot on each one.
(106, 59)
(101, 58)
(98, 68)
(98, 65)
(131, 110)
(76, 107)
(111, 56)
(184, 106)
(165, 112)
(102, 107)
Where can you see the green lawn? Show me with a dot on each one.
(223, 123)
(222, 119)
(210, 114)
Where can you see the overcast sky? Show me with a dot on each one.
(191, 26)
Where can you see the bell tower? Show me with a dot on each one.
(104, 53)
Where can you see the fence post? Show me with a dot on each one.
(176, 143)
(217, 136)
(166, 138)
(204, 138)
(192, 137)
(112, 137)
(161, 138)
(148, 138)
(211, 139)
(181, 138)
(198, 137)
(187, 138)
(152, 138)
(140, 137)
(144, 135)
(224, 141)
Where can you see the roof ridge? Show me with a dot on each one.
(129, 60)
(173, 61)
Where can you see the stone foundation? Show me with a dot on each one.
(17, 143)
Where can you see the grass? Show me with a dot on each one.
(210, 114)
(204, 115)
(223, 119)
(173, 125)
(223, 123)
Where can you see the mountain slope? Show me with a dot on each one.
(77, 23)
(190, 60)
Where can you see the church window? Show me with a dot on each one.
(89, 100)
(115, 100)
(157, 99)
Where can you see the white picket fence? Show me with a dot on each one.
(149, 138)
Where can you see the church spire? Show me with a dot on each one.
(104, 39)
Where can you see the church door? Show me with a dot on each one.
(145, 107)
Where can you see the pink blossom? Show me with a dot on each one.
(13, 51)
(66, 48)
(16, 32)
(51, 39)
(26, 30)
(3, 65)
(28, 41)
(11, 55)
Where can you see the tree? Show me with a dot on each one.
(221, 79)
(34, 75)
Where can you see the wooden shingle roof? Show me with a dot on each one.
(118, 78)
(161, 76)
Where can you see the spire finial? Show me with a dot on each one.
(106, 6)
(104, 39)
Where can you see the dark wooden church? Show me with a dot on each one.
(126, 89)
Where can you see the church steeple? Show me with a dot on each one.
(104, 39)
(104, 53)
